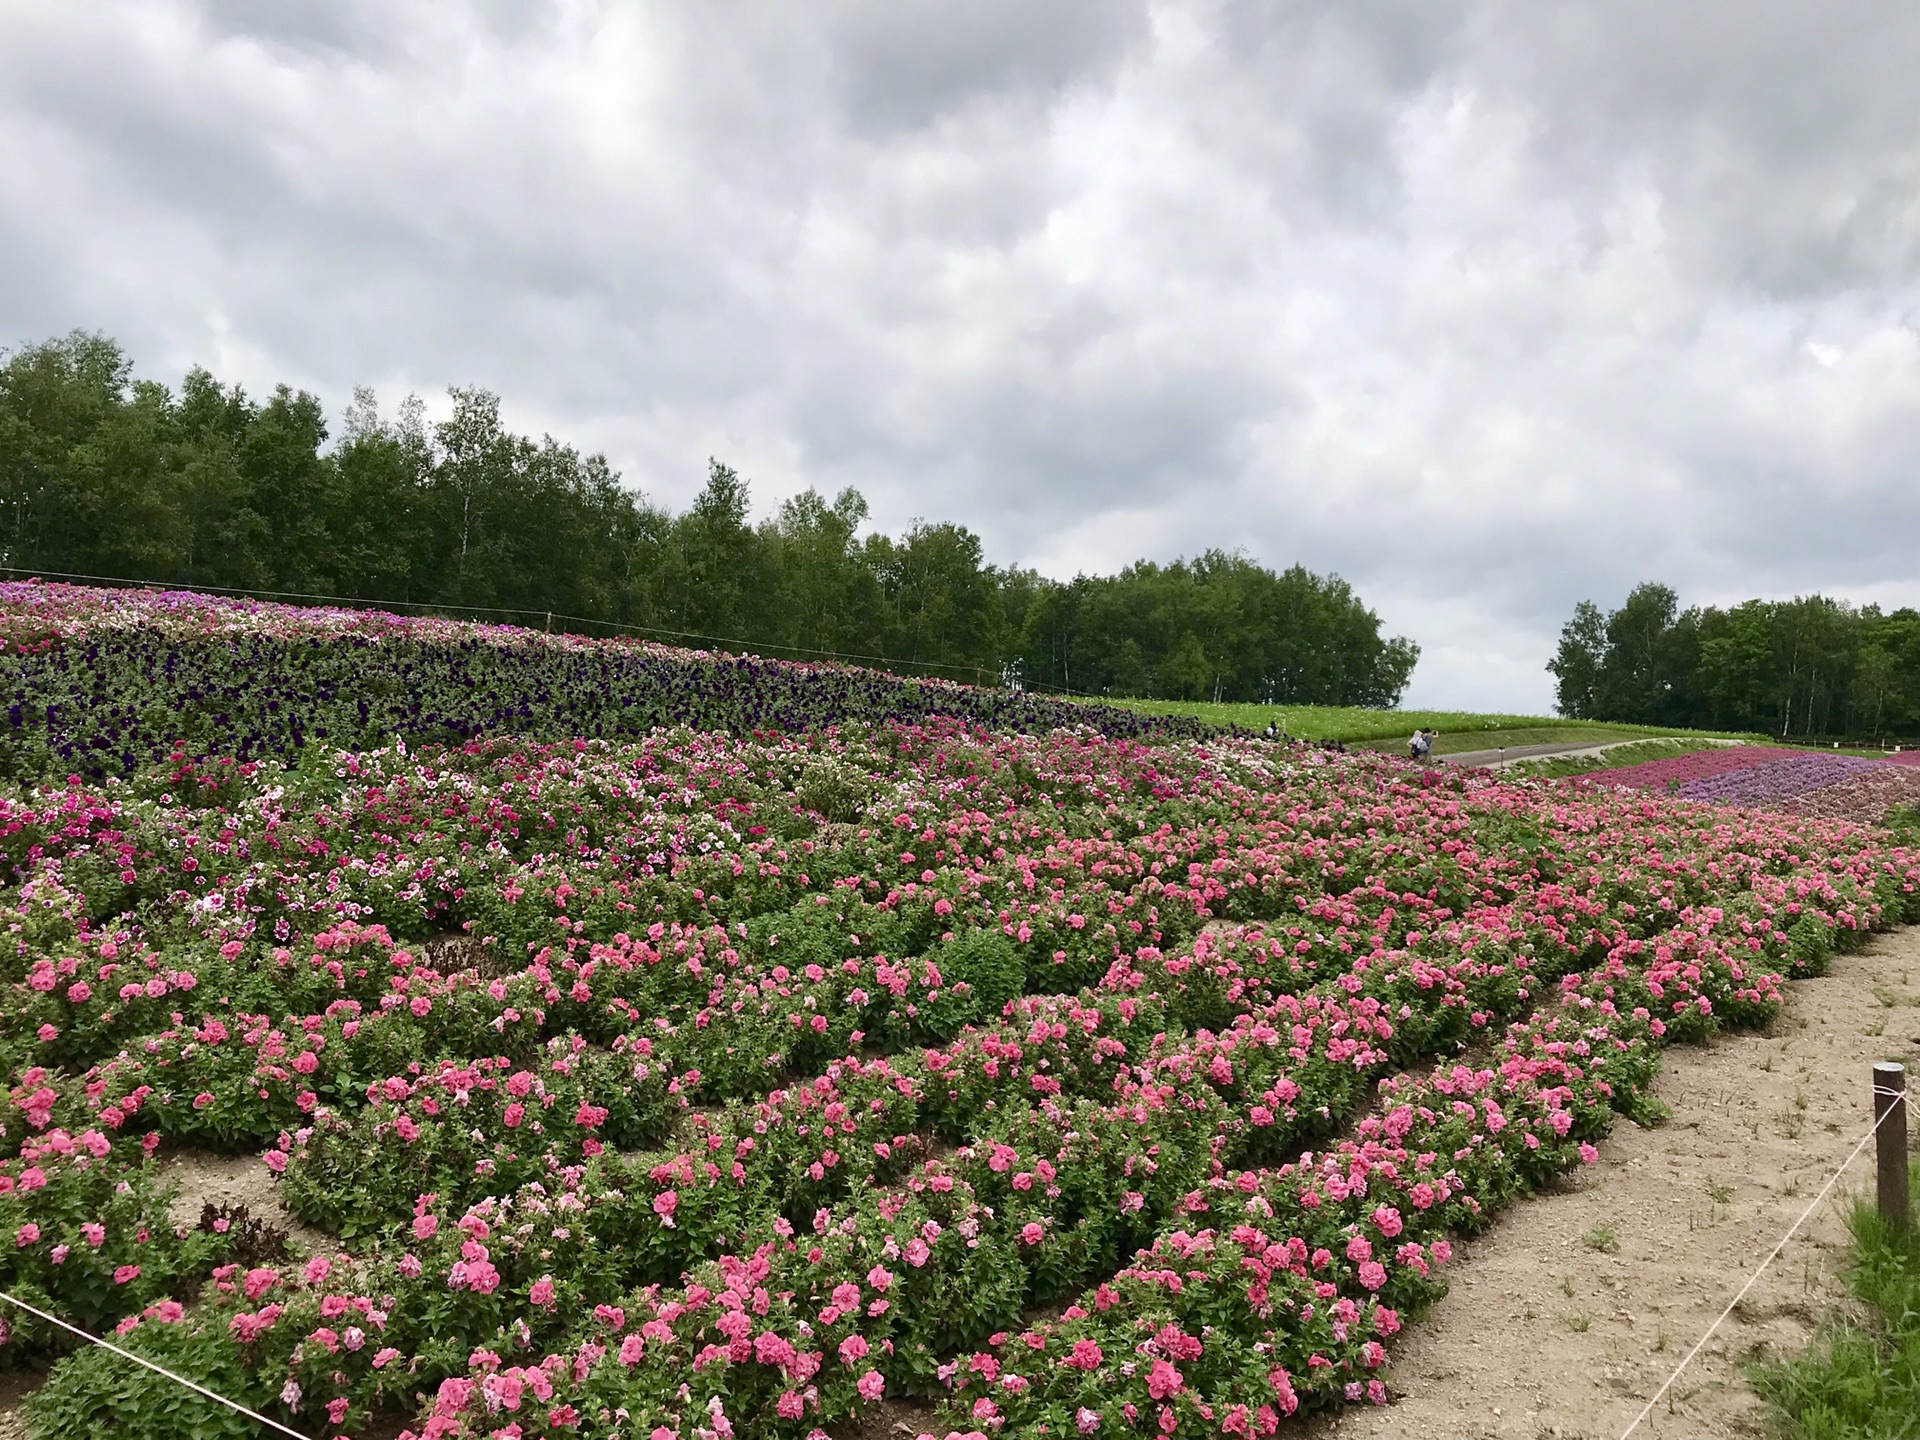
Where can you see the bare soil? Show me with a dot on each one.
(15, 1386)
(206, 1178)
(1566, 1317)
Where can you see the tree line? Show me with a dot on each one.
(105, 474)
(1810, 667)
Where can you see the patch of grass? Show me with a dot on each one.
(1457, 742)
(1356, 724)
(1860, 1378)
(1579, 1324)
(1718, 1193)
(1602, 1238)
(1560, 767)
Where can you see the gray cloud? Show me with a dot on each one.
(1488, 306)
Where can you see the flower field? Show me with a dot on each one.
(1802, 782)
(703, 1084)
(101, 682)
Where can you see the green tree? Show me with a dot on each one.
(940, 599)
(718, 551)
(826, 596)
(54, 397)
(107, 475)
(1577, 664)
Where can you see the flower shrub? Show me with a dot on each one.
(738, 1084)
(1862, 788)
(1668, 775)
(108, 681)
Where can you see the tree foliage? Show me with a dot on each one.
(102, 474)
(1810, 666)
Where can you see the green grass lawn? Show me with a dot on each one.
(1347, 722)
(1458, 729)
(1456, 742)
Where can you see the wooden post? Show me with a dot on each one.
(1890, 1116)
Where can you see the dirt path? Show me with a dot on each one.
(1549, 1332)
(1514, 754)
(206, 1178)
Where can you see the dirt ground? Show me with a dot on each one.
(1564, 1318)
(1551, 1331)
(232, 1180)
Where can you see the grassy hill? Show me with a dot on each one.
(1458, 729)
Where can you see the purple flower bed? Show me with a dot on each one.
(1701, 765)
(97, 682)
(1778, 780)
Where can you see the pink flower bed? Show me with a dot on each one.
(720, 1086)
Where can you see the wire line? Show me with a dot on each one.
(1772, 1255)
(157, 1369)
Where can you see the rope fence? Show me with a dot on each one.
(157, 1369)
(1894, 1107)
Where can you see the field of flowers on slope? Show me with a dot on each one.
(100, 682)
(1068, 1083)
(1863, 788)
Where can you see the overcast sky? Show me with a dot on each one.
(1487, 307)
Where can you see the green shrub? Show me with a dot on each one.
(981, 972)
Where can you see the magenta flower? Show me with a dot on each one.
(1163, 1380)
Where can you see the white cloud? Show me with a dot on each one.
(1489, 307)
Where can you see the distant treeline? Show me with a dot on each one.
(105, 475)
(1808, 667)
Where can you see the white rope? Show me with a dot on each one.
(1772, 1255)
(157, 1369)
